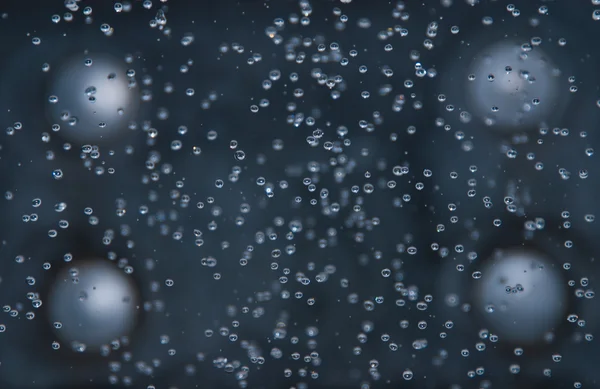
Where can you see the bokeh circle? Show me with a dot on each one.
(93, 302)
(92, 98)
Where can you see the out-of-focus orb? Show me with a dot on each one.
(521, 296)
(512, 86)
(92, 97)
(93, 302)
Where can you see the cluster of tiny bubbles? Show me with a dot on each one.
(331, 68)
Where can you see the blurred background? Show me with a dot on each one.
(298, 194)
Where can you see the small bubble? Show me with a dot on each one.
(57, 174)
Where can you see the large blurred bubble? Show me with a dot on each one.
(514, 86)
(92, 303)
(521, 295)
(92, 97)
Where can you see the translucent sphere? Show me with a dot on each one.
(512, 86)
(94, 99)
(521, 295)
(94, 301)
